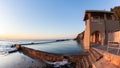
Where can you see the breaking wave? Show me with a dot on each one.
(6, 49)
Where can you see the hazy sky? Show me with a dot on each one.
(46, 19)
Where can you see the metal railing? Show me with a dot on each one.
(113, 45)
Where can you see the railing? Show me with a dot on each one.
(113, 45)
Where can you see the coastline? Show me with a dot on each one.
(84, 60)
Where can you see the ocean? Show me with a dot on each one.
(19, 60)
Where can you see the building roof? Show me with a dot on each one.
(95, 11)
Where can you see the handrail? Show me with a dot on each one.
(114, 45)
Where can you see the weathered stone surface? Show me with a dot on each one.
(84, 60)
(108, 60)
(39, 55)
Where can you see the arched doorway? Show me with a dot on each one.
(95, 38)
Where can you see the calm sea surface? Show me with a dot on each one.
(62, 47)
(19, 60)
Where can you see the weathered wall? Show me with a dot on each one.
(40, 55)
(110, 36)
(105, 27)
(97, 25)
(86, 41)
(112, 25)
(117, 36)
(114, 36)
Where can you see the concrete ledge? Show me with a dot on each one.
(111, 58)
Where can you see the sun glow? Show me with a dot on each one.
(3, 28)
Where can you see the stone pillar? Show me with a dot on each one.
(86, 45)
(102, 39)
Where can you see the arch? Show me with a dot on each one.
(95, 38)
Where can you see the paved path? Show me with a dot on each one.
(104, 63)
(110, 50)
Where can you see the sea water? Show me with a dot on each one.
(62, 47)
(20, 60)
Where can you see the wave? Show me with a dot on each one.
(7, 46)
(7, 49)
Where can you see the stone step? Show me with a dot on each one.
(92, 56)
(83, 64)
(86, 62)
(89, 61)
(98, 55)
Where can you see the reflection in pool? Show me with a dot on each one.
(64, 47)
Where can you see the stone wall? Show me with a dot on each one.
(84, 60)
(40, 55)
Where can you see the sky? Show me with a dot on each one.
(46, 19)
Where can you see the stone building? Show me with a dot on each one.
(114, 36)
(100, 28)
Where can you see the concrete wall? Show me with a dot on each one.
(40, 55)
(114, 36)
(117, 36)
(101, 22)
(101, 25)
(97, 25)
(110, 36)
(37, 54)
(112, 25)
(87, 36)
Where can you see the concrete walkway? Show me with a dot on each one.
(108, 61)
(103, 63)
(104, 48)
